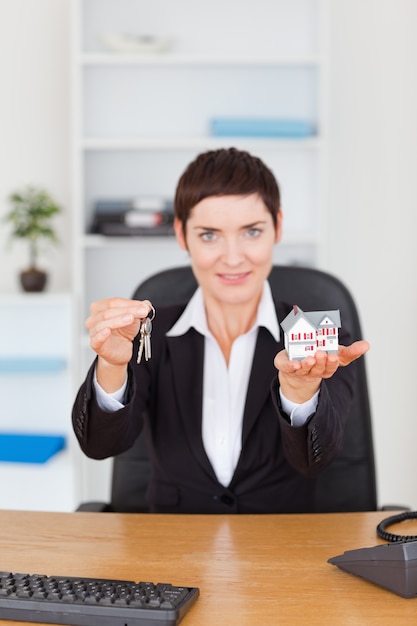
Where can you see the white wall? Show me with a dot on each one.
(34, 123)
(373, 220)
(372, 182)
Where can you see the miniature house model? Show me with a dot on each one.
(304, 333)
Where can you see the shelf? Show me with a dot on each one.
(19, 298)
(37, 390)
(140, 119)
(103, 59)
(32, 365)
(29, 447)
(196, 143)
(21, 484)
(101, 241)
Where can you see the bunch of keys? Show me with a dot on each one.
(145, 336)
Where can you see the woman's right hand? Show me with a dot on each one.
(113, 324)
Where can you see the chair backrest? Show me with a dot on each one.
(348, 484)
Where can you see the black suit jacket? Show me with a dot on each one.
(278, 463)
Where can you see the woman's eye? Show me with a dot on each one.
(208, 236)
(253, 232)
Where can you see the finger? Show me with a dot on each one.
(332, 364)
(283, 364)
(315, 365)
(99, 338)
(347, 354)
(322, 365)
(115, 323)
(107, 304)
(121, 316)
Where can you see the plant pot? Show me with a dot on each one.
(33, 279)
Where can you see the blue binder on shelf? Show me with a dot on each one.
(261, 127)
(29, 448)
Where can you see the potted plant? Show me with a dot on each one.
(31, 219)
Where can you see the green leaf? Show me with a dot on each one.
(30, 217)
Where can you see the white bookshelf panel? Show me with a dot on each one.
(116, 269)
(49, 486)
(130, 173)
(125, 101)
(258, 28)
(139, 119)
(36, 390)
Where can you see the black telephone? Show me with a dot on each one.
(392, 565)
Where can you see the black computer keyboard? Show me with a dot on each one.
(92, 601)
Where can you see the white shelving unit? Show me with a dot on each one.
(36, 389)
(140, 118)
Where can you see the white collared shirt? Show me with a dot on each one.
(224, 386)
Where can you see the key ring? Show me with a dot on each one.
(145, 335)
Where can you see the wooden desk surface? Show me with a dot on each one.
(273, 566)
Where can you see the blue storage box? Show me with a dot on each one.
(261, 127)
(29, 448)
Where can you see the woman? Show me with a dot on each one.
(232, 424)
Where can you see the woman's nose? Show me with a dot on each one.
(233, 252)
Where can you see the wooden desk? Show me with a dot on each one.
(274, 566)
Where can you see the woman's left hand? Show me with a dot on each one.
(299, 380)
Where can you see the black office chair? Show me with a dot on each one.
(348, 484)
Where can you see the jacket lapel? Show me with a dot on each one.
(187, 356)
(262, 373)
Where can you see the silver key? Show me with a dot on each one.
(141, 344)
(147, 329)
(145, 337)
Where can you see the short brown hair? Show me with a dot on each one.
(223, 172)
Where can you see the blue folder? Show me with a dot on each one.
(261, 127)
(29, 448)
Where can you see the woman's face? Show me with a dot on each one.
(230, 240)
